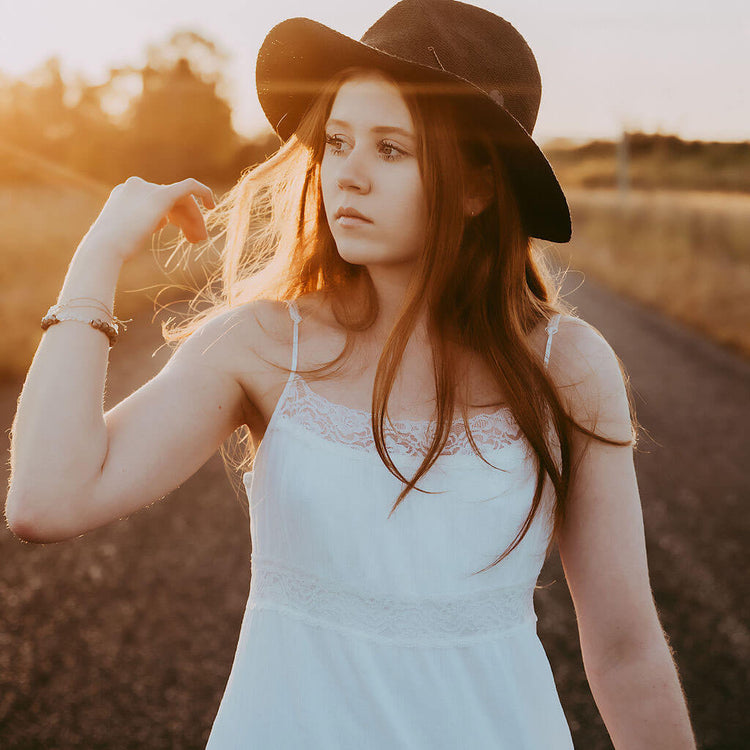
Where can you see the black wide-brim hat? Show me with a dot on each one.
(458, 50)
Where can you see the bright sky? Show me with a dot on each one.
(669, 66)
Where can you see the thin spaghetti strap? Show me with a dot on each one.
(287, 391)
(551, 329)
(296, 317)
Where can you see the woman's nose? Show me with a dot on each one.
(352, 173)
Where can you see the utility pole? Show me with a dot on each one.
(623, 165)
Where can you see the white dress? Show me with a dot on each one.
(364, 632)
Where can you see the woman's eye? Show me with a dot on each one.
(333, 141)
(393, 151)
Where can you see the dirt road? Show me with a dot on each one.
(124, 638)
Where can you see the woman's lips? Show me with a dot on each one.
(351, 221)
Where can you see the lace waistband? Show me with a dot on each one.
(429, 621)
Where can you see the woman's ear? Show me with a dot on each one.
(480, 189)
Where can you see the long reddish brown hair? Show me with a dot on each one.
(486, 283)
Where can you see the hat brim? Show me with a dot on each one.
(299, 55)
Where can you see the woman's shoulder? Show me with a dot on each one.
(265, 319)
(559, 330)
(250, 341)
(246, 323)
(276, 316)
(266, 326)
(577, 344)
(590, 377)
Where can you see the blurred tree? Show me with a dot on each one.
(95, 149)
(34, 119)
(205, 57)
(165, 121)
(180, 126)
(33, 111)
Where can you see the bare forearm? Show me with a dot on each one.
(642, 703)
(59, 438)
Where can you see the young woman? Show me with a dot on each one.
(442, 406)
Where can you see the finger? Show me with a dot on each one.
(190, 185)
(187, 213)
(191, 223)
(195, 233)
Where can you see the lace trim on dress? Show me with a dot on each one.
(446, 620)
(344, 424)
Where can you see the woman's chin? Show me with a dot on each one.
(360, 253)
(354, 250)
(357, 259)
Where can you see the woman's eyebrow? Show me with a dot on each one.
(376, 128)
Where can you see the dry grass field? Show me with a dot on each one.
(684, 253)
(41, 226)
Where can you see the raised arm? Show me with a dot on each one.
(62, 443)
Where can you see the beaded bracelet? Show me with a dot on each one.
(57, 313)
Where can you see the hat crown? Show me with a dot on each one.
(469, 42)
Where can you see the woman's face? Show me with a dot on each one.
(370, 165)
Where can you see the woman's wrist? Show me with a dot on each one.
(93, 272)
(106, 244)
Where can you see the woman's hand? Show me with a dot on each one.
(136, 209)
